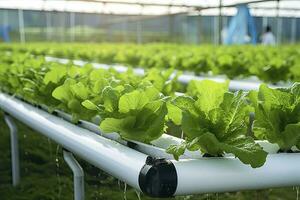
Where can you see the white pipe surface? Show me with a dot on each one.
(194, 176)
(148, 149)
(78, 175)
(157, 147)
(211, 175)
(118, 160)
(14, 146)
(234, 85)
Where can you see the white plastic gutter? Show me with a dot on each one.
(158, 147)
(154, 151)
(207, 175)
(118, 160)
(234, 85)
(158, 177)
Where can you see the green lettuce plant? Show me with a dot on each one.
(277, 115)
(217, 123)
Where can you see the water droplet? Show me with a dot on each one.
(50, 147)
(57, 173)
(181, 135)
(119, 184)
(125, 191)
(138, 194)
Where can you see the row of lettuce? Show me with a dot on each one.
(212, 119)
(269, 64)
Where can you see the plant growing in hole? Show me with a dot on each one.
(277, 115)
(216, 123)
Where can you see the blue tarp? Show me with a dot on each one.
(241, 27)
(4, 33)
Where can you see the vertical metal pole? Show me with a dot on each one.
(293, 30)
(199, 35)
(170, 25)
(279, 30)
(264, 22)
(138, 31)
(5, 17)
(185, 29)
(125, 29)
(14, 149)
(279, 23)
(139, 27)
(215, 30)
(63, 26)
(78, 175)
(48, 25)
(72, 25)
(21, 26)
(220, 22)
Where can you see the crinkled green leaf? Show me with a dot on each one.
(80, 90)
(55, 75)
(135, 100)
(209, 93)
(277, 116)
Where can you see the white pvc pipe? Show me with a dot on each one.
(148, 149)
(14, 146)
(116, 159)
(210, 175)
(245, 85)
(78, 175)
(157, 147)
(194, 176)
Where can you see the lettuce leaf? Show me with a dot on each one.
(218, 126)
(136, 115)
(277, 116)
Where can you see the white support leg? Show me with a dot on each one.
(78, 175)
(14, 149)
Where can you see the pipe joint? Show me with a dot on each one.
(158, 178)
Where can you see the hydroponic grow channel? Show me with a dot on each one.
(234, 85)
(156, 177)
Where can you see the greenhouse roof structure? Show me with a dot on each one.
(284, 8)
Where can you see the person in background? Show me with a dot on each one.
(268, 37)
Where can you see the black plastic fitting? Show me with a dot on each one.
(158, 178)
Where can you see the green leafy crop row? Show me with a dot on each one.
(213, 120)
(269, 64)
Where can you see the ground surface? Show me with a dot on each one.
(45, 176)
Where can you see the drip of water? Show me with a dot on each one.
(50, 147)
(125, 190)
(207, 197)
(56, 157)
(119, 184)
(181, 135)
(138, 194)
(297, 193)
(57, 172)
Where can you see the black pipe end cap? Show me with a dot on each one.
(158, 178)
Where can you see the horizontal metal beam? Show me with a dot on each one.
(141, 3)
